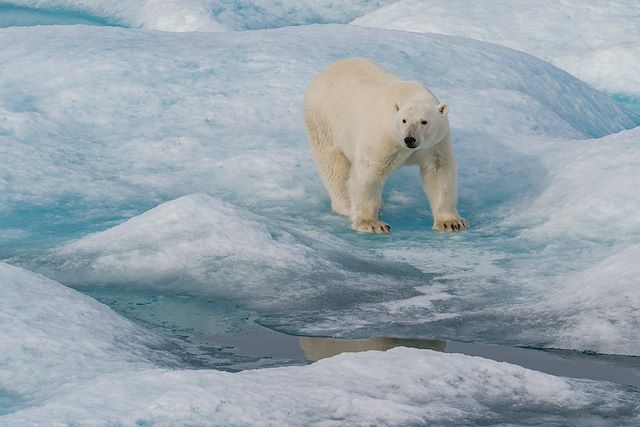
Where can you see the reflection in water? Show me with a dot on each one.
(215, 334)
(321, 348)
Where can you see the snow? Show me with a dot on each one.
(185, 15)
(597, 306)
(595, 41)
(156, 126)
(261, 14)
(407, 388)
(175, 162)
(51, 335)
(260, 232)
(78, 358)
(188, 245)
(12, 16)
(178, 237)
(162, 15)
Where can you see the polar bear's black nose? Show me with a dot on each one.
(410, 142)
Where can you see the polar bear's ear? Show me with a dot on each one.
(443, 108)
(397, 107)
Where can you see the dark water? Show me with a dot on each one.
(219, 335)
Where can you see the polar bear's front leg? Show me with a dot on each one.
(365, 192)
(438, 173)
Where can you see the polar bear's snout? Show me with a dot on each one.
(410, 142)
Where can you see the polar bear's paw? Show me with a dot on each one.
(371, 226)
(450, 224)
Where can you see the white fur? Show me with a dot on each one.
(354, 112)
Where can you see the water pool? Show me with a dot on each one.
(211, 334)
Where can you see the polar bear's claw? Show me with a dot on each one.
(455, 225)
(371, 226)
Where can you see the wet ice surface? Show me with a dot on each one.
(215, 334)
(168, 176)
(61, 366)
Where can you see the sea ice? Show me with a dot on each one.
(162, 15)
(597, 42)
(178, 163)
(67, 355)
(51, 335)
(407, 387)
(191, 15)
(209, 119)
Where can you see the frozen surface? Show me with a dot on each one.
(163, 15)
(595, 41)
(70, 364)
(136, 128)
(597, 306)
(260, 14)
(51, 335)
(18, 16)
(189, 245)
(177, 164)
(186, 15)
(132, 123)
(408, 387)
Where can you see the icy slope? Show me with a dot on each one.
(51, 335)
(142, 115)
(260, 14)
(593, 40)
(194, 15)
(597, 307)
(69, 355)
(163, 15)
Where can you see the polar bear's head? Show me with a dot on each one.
(420, 123)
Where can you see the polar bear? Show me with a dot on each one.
(364, 123)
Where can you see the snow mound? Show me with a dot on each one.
(407, 387)
(201, 246)
(176, 237)
(597, 42)
(595, 309)
(591, 192)
(51, 335)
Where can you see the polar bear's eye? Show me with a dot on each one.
(424, 122)
(404, 121)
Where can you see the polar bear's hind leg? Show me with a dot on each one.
(333, 166)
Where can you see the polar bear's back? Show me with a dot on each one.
(346, 81)
(356, 71)
(343, 97)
